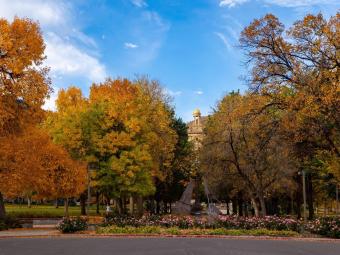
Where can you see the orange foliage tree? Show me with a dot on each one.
(34, 165)
(24, 83)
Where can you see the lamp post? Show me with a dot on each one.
(90, 166)
(337, 198)
(303, 175)
(304, 195)
(88, 190)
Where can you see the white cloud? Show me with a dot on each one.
(154, 18)
(47, 12)
(298, 3)
(150, 30)
(173, 93)
(139, 3)
(69, 51)
(66, 59)
(231, 3)
(129, 45)
(283, 3)
(50, 104)
(198, 92)
(224, 40)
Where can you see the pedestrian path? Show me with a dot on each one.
(28, 232)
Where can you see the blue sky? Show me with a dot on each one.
(190, 46)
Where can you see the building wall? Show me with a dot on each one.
(195, 129)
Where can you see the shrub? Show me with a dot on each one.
(267, 222)
(69, 225)
(9, 222)
(327, 226)
(193, 231)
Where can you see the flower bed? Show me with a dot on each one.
(267, 222)
(329, 227)
(227, 222)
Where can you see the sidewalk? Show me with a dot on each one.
(29, 233)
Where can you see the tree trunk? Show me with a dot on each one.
(165, 207)
(256, 207)
(66, 214)
(140, 208)
(56, 203)
(124, 205)
(83, 203)
(2, 207)
(246, 209)
(298, 197)
(240, 204)
(119, 205)
(131, 207)
(263, 206)
(158, 207)
(97, 202)
(234, 205)
(28, 201)
(292, 203)
(310, 196)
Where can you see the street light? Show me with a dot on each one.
(88, 190)
(303, 174)
(304, 195)
(337, 198)
(90, 166)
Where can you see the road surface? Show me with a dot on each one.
(163, 246)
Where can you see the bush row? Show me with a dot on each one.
(328, 226)
(9, 222)
(186, 222)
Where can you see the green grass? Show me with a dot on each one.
(177, 231)
(44, 211)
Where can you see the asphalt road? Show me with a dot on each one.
(163, 246)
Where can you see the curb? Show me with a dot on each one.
(118, 236)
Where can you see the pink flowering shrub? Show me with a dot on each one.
(267, 222)
(325, 226)
(186, 222)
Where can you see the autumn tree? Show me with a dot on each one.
(73, 126)
(137, 140)
(298, 68)
(244, 139)
(170, 187)
(24, 83)
(124, 128)
(34, 165)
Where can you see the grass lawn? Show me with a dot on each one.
(44, 211)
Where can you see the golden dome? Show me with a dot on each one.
(196, 113)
